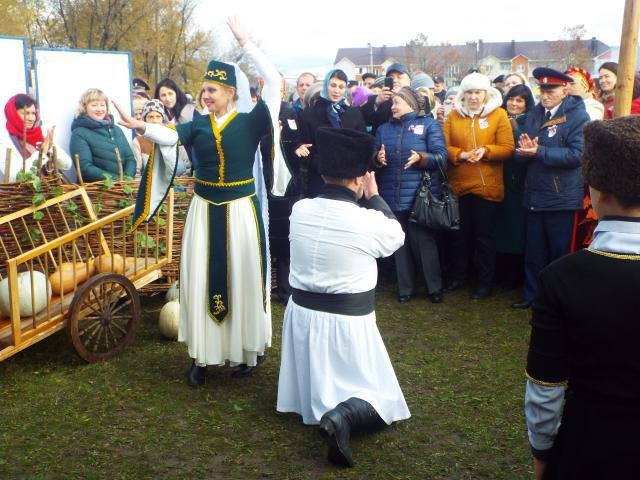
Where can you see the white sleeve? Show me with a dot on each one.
(542, 407)
(63, 160)
(167, 141)
(385, 235)
(160, 134)
(271, 77)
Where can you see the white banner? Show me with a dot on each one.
(14, 77)
(62, 76)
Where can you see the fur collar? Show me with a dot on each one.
(494, 101)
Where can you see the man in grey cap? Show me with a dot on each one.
(377, 110)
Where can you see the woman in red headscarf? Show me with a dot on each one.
(26, 138)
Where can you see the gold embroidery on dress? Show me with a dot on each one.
(218, 304)
(619, 256)
(217, 133)
(543, 383)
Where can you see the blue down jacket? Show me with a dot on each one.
(423, 134)
(554, 176)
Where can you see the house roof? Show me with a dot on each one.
(502, 50)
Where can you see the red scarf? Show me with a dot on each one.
(15, 125)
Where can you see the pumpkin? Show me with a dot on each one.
(169, 319)
(130, 263)
(62, 279)
(41, 293)
(110, 263)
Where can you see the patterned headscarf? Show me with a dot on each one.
(154, 105)
(583, 77)
(335, 110)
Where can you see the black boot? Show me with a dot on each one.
(336, 426)
(196, 375)
(243, 370)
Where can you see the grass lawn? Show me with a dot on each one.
(460, 365)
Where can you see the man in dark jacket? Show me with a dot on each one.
(551, 145)
(377, 109)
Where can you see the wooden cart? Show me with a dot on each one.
(101, 311)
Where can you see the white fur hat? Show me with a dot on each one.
(475, 81)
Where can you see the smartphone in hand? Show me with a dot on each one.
(388, 82)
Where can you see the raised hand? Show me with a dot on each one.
(385, 94)
(526, 146)
(413, 158)
(127, 120)
(303, 150)
(370, 187)
(238, 29)
(382, 157)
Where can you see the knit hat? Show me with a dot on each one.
(611, 66)
(618, 138)
(344, 153)
(583, 77)
(154, 105)
(220, 72)
(360, 96)
(438, 79)
(421, 79)
(379, 82)
(414, 99)
(475, 81)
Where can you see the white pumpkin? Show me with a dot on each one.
(40, 287)
(169, 319)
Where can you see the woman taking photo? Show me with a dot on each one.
(330, 110)
(28, 144)
(409, 144)
(225, 313)
(479, 138)
(95, 139)
(177, 106)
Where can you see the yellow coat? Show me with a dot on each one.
(463, 133)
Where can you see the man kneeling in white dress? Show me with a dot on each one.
(335, 370)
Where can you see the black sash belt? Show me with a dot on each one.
(361, 303)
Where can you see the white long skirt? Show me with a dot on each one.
(246, 331)
(328, 358)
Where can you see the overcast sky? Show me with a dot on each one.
(305, 35)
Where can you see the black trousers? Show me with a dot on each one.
(548, 238)
(475, 240)
(419, 251)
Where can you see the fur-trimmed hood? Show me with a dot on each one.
(494, 101)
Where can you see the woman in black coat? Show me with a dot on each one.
(330, 110)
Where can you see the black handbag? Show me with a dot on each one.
(429, 211)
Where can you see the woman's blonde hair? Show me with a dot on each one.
(521, 76)
(91, 95)
(428, 93)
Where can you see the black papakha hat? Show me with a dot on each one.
(344, 153)
(618, 138)
(220, 72)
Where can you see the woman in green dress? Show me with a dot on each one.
(225, 313)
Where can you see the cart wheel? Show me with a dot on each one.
(103, 317)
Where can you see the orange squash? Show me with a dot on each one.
(110, 262)
(62, 280)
